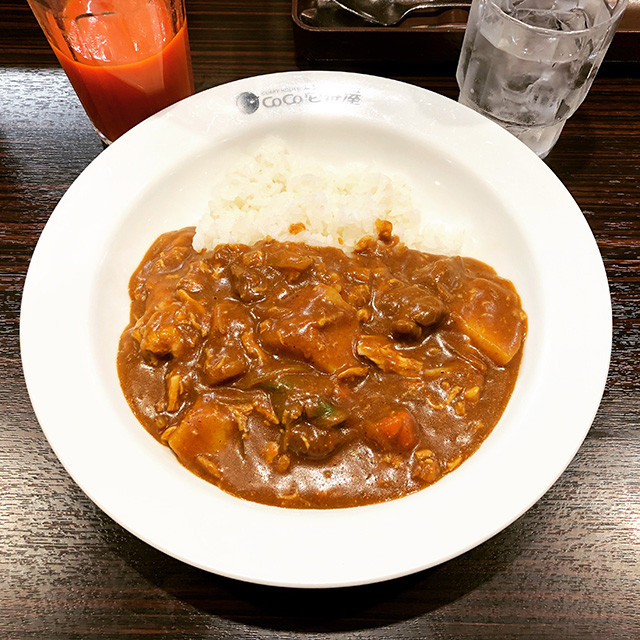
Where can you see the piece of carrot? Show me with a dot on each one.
(397, 431)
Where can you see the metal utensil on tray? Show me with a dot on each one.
(388, 13)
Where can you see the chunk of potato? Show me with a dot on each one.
(205, 429)
(316, 324)
(491, 315)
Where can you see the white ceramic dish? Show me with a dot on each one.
(158, 177)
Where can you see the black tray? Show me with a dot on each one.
(326, 33)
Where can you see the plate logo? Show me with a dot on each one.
(248, 102)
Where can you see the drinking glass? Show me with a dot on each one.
(126, 59)
(528, 64)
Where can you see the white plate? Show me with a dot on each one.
(158, 177)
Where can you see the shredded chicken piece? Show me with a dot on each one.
(209, 466)
(452, 394)
(459, 408)
(262, 406)
(186, 298)
(472, 393)
(283, 463)
(240, 413)
(270, 452)
(353, 372)
(425, 467)
(252, 347)
(176, 386)
(383, 352)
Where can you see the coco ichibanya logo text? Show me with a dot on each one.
(249, 102)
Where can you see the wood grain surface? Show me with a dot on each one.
(569, 568)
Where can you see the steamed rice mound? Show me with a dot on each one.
(273, 193)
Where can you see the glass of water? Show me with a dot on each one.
(528, 64)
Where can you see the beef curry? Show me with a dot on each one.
(301, 376)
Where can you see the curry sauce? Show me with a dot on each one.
(305, 377)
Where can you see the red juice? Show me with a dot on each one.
(126, 59)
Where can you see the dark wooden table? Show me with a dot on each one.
(568, 568)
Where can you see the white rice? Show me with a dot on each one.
(266, 193)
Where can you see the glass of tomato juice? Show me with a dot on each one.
(126, 59)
